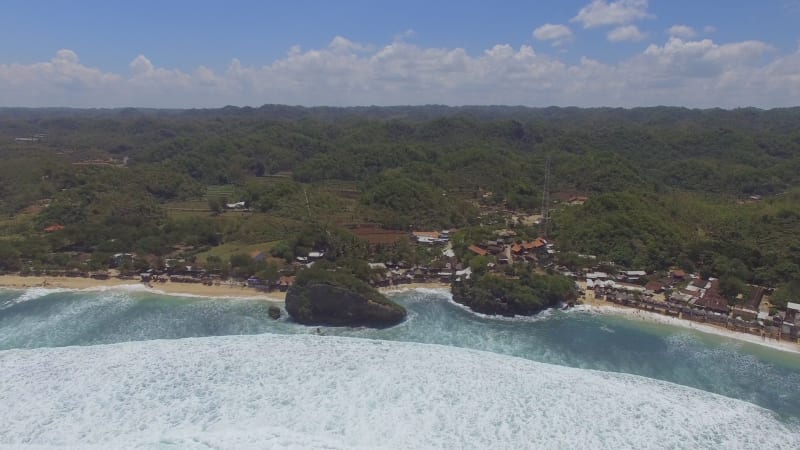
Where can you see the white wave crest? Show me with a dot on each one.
(326, 392)
(541, 315)
(29, 294)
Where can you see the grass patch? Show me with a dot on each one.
(225, 251)
(188, 205)
(224, 191)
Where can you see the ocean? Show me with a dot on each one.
(128, 368)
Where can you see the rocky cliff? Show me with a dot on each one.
(320, 303)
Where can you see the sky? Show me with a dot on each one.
(187, 54)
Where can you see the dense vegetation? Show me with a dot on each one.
(525, 295)
(340, 278)
(323, 295)
(664, 184)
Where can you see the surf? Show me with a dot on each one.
(336, 392)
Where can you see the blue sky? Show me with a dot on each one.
(582, 52)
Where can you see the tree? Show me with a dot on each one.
(9, 257)
(215, 205)
(730, 287)
(480, 264)
(788, 292)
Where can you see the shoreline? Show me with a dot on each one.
(705, 328)
(236, 291)
(592, 304)
(225, 290)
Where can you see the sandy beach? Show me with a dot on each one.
(590, 303)
(227, 290)
(223, 290)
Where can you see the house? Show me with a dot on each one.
(119, 259)
(756, 295)
(634, 275)
(505, 233)
(699, 284)
(744, 313)
(237, 205)
(495, 248)
(682, 297)
(597, 276)
(628, 287)
(100, 275)
(284, 282)
(576, 200)
(655, 287)
(477, 250)
(255, 282)
(315, 255)
(712, 300)
(445, 277)
(463, 274)
(426, 237)
(790, 323)
(678, 274)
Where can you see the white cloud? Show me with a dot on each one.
(141, 65)
(625, 33)
(695, 73)
(559, 34)
(682, 31)
(600, 13)
(708, 29)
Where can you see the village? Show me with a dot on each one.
(676, 293)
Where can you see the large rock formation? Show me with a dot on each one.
(525, 296)
(322, 303)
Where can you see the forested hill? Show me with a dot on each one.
(663, 183)
(744, 151)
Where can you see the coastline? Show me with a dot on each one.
(225, 290)
(237, 291)
(592, 304)
(706, 328)
(413, 286)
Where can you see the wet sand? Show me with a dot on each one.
(223, 290)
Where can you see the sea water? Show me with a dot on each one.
(109, 369)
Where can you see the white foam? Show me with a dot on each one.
(132, 287)
(700, 327)
(541, 315)
(442, 291)
(37, 292)
(223, 297)
(29, 294)
(325, 392)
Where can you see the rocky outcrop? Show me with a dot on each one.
(274, 312)
(497, 295)
(327, 304)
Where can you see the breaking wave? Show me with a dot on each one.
(306, 391)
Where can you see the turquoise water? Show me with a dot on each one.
(763, 376)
